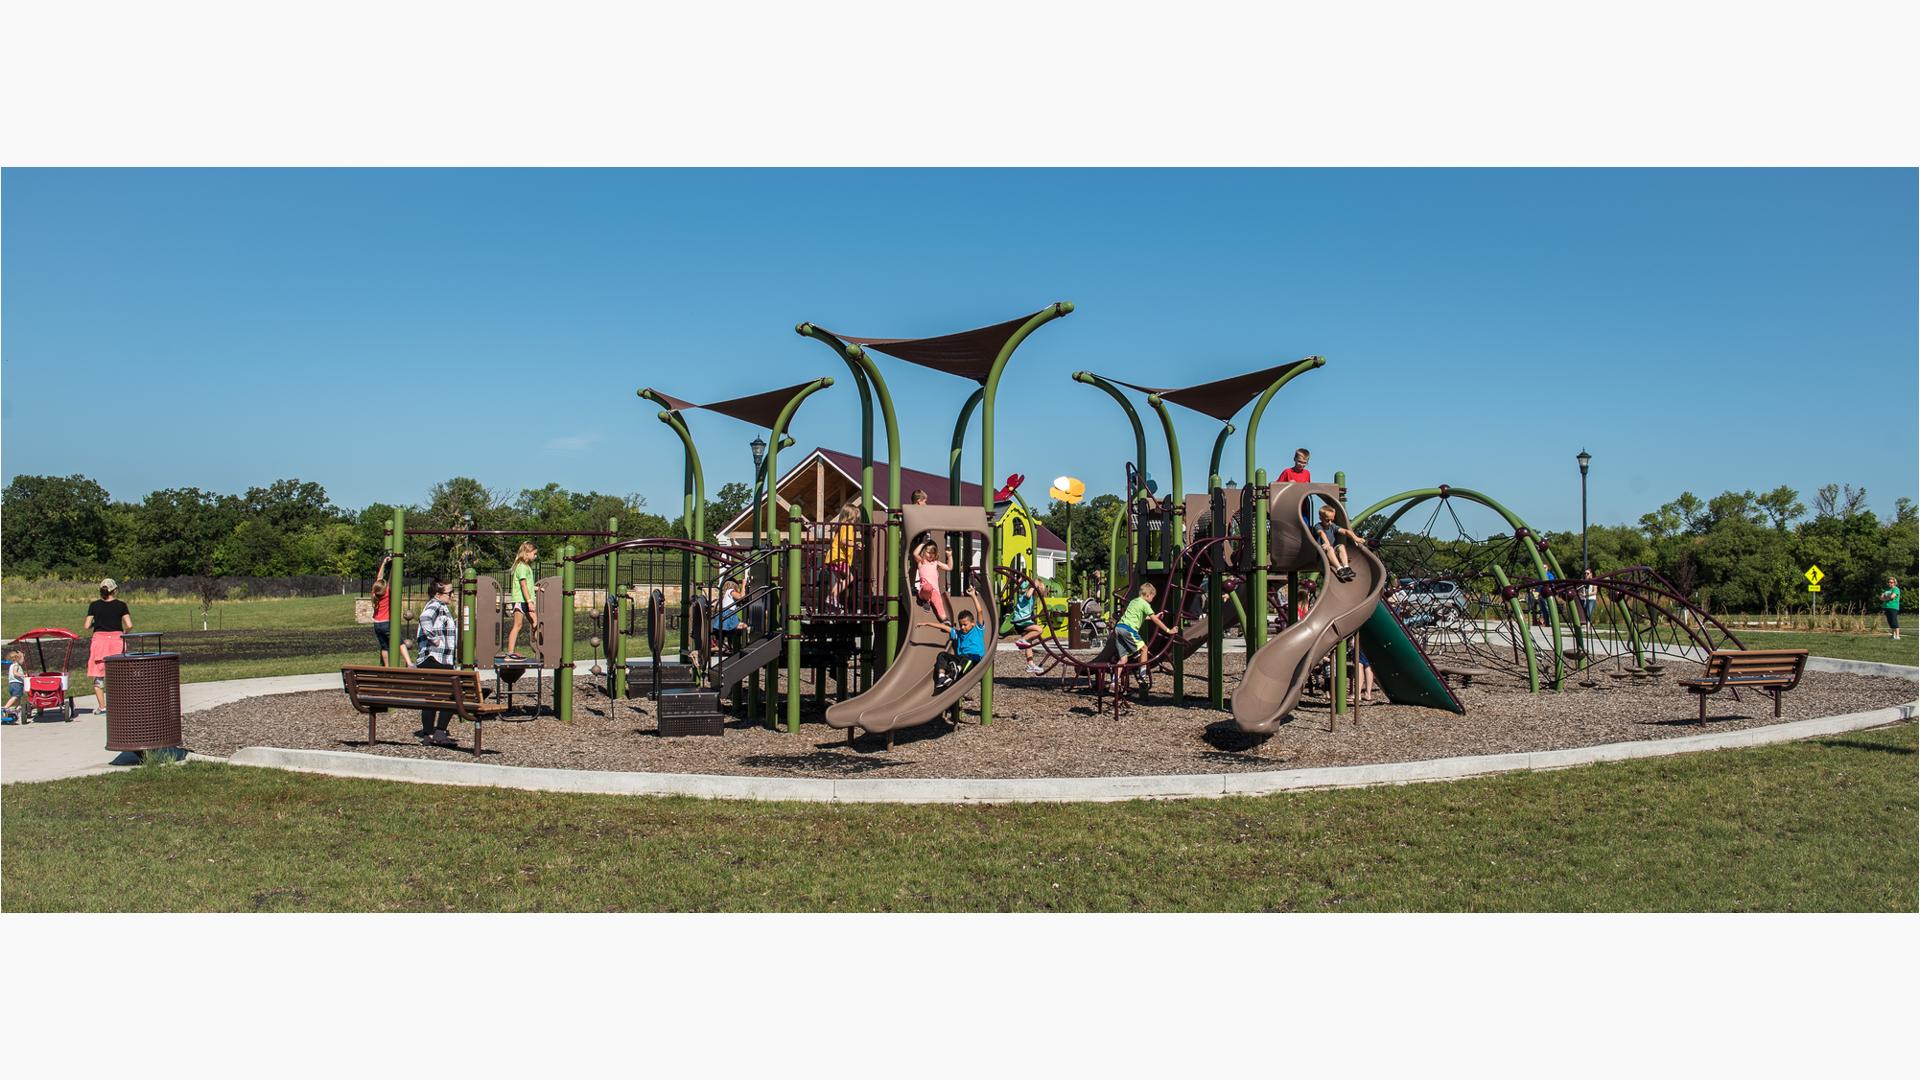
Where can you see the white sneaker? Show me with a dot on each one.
(1035, 669)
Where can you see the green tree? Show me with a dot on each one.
(180, 530)
(727, 503)
(290, 506)
(54, 523)
(1093, 522)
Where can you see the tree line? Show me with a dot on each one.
(70, 527)
(1736, 551)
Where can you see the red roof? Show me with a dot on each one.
(935, 486)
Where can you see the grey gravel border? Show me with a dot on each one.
(1058, 789)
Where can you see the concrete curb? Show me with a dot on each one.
(1061, 789)
(1862, 667)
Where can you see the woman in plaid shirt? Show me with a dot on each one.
(439, 636)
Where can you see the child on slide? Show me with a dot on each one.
(1328, 535)
(926, 576)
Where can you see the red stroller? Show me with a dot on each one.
(47, 684)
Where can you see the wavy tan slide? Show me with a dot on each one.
(904, 697)
(1277, 673)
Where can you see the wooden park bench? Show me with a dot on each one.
(1774, 670)
(373, 690)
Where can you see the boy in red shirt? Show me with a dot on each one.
(1298, 474)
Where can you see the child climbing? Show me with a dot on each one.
(1133, 623)
(1328, 535)
(841, 538)
(1024, 624)
(523, 596)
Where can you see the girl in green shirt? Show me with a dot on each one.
(521, 591)
(1890, 602)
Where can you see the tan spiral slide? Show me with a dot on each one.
(903, 696)
(1278, 672)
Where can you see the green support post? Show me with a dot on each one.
(990, 389)
(1177, 536)
(397, 594)
(1525, 626)
(1216, 612)
(1340, 649)
(1219, 446)
(1113, 563)
(617, 670)
(563, 675)
(790, 593)
(1257, 633)
(1266, 396)
(469, 588)
(693, 499)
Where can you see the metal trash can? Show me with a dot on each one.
(143, 696)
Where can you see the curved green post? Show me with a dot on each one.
(991, 388)
(1216, 613)
(1526, 630)
(953, 471)
(396, 587)
(1260, 406)
(1410, 499)
(791, 594)
(563, 676)
(1257, 632)
(1133, 418)
(693, 500)
(773, 446)
(1219, 447)
(1113, 563)
(1178, 534)
(959, 443)
(856, 357)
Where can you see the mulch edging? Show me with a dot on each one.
(1042, 730)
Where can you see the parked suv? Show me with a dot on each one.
(1425, 602)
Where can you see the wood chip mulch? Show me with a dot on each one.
(1041, 728)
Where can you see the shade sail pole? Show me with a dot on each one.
(991, 388)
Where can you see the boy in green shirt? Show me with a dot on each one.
(1139, 612)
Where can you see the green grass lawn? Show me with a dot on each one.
(1876, 647)
(1826, 825)
(296, 613)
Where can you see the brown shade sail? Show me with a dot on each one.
(969, 354)
(760, 409)
(1222, 398)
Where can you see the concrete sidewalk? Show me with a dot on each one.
(56, 750)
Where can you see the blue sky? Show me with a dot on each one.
(380, 330)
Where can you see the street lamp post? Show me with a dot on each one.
(759, 448)
(1584, 459)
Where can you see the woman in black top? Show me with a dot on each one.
(107, 617)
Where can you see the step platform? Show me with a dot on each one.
(674, 675)
(690, 712)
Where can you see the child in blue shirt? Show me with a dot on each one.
(969, 639)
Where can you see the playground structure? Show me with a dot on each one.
(1510, 606)
(834, 596)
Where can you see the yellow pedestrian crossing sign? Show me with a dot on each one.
(1814, 575)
